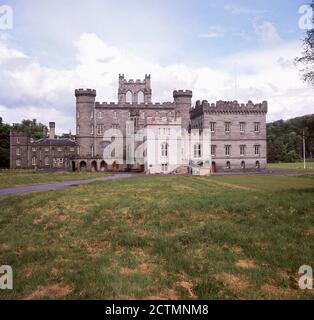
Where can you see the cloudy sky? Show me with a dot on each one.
(220, 49)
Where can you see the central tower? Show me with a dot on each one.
(135, 92)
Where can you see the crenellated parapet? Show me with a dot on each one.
(228, 107)
(114, 105)
(85, 92)
(182, 93)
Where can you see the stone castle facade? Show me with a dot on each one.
(238, 133)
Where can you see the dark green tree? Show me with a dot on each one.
(4, 144)
(307, 59)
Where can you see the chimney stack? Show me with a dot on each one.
(52, 130)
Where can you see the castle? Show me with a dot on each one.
(236, 141)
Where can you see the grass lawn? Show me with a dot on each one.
(161, 237)
(297, 166)
(13, 178)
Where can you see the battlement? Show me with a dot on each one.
(182, 93)
(85, 92)
(124, 81)
(228, 107)
(136, 105)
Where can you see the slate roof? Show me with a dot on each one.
(54, 142)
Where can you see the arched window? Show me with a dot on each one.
(140, 97)
(128, 97)
(228, 165)
(164, 149)
(258, 165)
(243, 165)
(197, 151)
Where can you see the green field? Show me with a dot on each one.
(161, 238)
(297, 166)
(14, 178)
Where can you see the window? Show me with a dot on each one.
(78, 130)
(72, 149)
(92, 150)
(243, 165)
(143, 115)
(33, 149)
(92, 115)
(18, 162)
(164, 149)
(115, 115)
(18, 140)
(258, 165)
(242, 127)
(46, 149)
(213, 150)
(100, 129)
(213, 126)
(59, 149)
(242, 150)
(78, 114)
(99, 115)
(227, 127)
(91, 129)
(78, 151)
(257, 126)
(128, 97)
(228, 151)
(257, 150)
(34, 161)
(140, 97)
(228, 165)
(197, 151)
(18, 151)
(164, 167)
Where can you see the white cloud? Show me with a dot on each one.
(267, 33)
(240, 10)
(30, 90)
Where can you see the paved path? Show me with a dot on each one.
(62, 185)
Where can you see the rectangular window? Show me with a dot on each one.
(59, 149)
(18, 162)
(242, 150)
(213, 126)
(91, 129)
(257, 127)
(92, 115)
(33, 149)
(100, 129)
(99, 115)
(213, 150)
(18, 151)
(46, 149)
(18, 140)
(227, 127)
(164, 167)
(242, 127)
(197, 151)
(34, 161)
(78, 130)
(257, 150)
(72, 149)
(228, 151)
(78, 114)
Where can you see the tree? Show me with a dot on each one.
(32, 127)
(307, 59)
(4, 144)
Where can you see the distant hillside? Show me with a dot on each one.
(285, 139)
